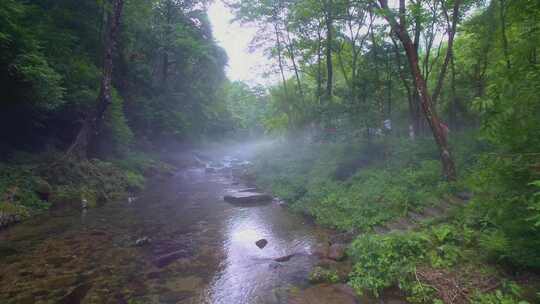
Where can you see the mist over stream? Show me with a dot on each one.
(177, 242)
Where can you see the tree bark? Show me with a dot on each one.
(86, 140)
(329, 68)
(454, 101)
(439, 134)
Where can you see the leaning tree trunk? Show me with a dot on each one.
(439, 133)
(85, 142)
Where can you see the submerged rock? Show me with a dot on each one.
(167, 259)
(285, 258)
(261, 243)
(247, 198)
(142, 241)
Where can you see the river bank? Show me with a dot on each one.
(404, 227)
(53, 181)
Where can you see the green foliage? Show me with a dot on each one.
(445, 246)
(117, 136)
(51, 64)
(350, 186)
(497, 297)
(322, 275)
(382, 261)
(535, 204)
(18, 185)
(67, 182)
(135, 180)
(248, 107)
(44, 80)
(503, 207)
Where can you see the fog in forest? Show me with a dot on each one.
(277, 152)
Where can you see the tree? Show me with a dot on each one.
(85, 142)
(437, 128)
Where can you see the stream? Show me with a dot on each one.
(178, 242)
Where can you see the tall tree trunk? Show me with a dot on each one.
(342, 68)
(451, 28)
(319, 66)
(329, 42)
(280, 62)
(290, 49)
(454, 101)
(389, 86)
(86, 140)
(439, 133)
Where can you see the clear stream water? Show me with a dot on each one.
(92, 257)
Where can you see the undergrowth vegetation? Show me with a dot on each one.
(354, 186)
(52, 180)
(460, 257)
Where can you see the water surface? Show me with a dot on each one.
(92, 257)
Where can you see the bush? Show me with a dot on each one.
(384, 261)
(19, 184)
(504, 208)
(497, 297)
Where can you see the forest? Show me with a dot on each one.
(410, 128)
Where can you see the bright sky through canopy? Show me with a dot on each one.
(235, 38)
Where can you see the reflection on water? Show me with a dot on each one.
(202, 250)
(250, 274)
